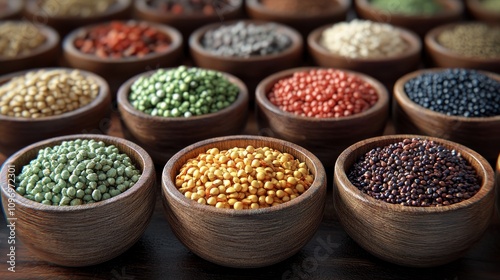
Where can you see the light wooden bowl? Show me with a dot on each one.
(412, 236)
(162, 137)
(13, 10)
(244, 238)
(476, 9)
(93, 117)
(479, 134)
(85, 234)
(325, 137)
(453, 10)
(441, 56)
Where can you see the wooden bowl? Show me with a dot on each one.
(117, 71)
(253, 69)
(303, 22)
(479, 12)
(45, 55)
(91, 118)
(479, 134)
(393, 67)
(85, 234)
(64, 24)
(441, 56)
(251, 237)
(406, 235)
(420, 24)
(12, 11)
(498, 185)
(162, 137)
(325, 137)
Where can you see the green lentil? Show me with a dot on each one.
(472, 39)
(409, 7)
(182, 92)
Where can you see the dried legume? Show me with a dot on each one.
(457, 92)
(491, 5)
(19, 38)
(243, 178)
(183, 92)
(207, 7)
(472, 39)
(45, 93)
(415, 172)
(323, 93)
(363, 39)
(122, 39)
(409, 7)
(77, 172)
(75, 8)
(300, 6)
(245, 40)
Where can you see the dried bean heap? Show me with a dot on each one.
(300, 6)
(409, 7)
(472, 39)
(415, 172)
(457, 92)
(18, 38)
(323, 93)
(207, 7)
(243, 178)
(75, 8)
(245, 40)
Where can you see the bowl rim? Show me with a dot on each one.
(13, 7)
(173, 34)
(146, 172)
(143, 7)
(403, 100)
(431, 43)
(104, 93)
(476, 7)
(119, 6)
(52, 40)
(340, 175)
(341, 7)
(124, 103)
(410, 37)
(168, 187)
(261, 94)
(295, 37)
(452, 8)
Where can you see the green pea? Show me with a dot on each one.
(39, 197)
(56, 199)
(73, 179)
(96, 195)
(106, 196)
(71, 192)
(76, 201)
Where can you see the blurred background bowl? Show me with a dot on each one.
(480, 12)
(11, 10)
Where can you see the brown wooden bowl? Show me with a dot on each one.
(324, 137)
(85, 234)
(91, 118)
(12, 10)
(406, 235)
(441, 56)
(479, 12)
(420, 24)
(65, 24)
(162, 137)
(303, 22)
(251, 237)
(117, 71)
(479, 134)
(393, 67)
(45, 55)
(253, 69)
(498, 185)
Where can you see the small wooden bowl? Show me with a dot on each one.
(420, 24)
(325, 137)
(393, 67)
(303, 22)
(244, 238)
(45, 55)
(479, 12)
(253, 69)
(479, 134)
(117, 71)
(162, 137)
(85, 234)
(65, 24)
(441, 56)
(412, 236)
(12, 11)
(91, 118)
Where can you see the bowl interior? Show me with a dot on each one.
(338, 7)
(451, 8)
(34, 7)
(144, 7)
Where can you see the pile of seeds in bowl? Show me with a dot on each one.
(363, 39)
(19, 38)
(323, 93)
(77, 172)
(409, 7)
(456, 92)
(472, 40)
(243, 178)
(45, 93)
(415, 172)
(491, 5)
(206, 7)
(75, 8)
(300, 6)
(245, 40)
(182, 92)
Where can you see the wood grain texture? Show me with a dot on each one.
(478, 12)
(246, 238)
(412, 236)
(86, 234)
(93, 117)
(324, 137)
(479, 134)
